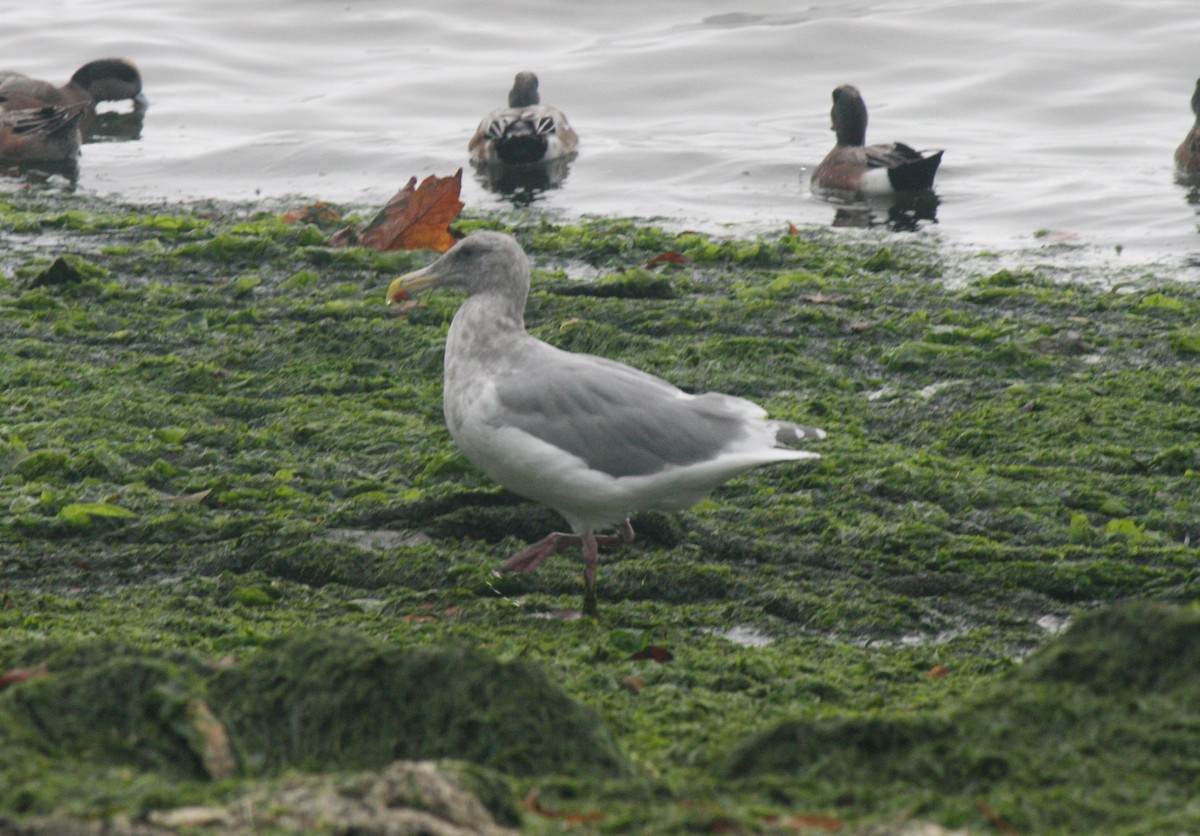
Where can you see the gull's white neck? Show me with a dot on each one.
(486, 338)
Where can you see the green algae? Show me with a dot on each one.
(338, 702)
(1006, 450)
(1050, 747)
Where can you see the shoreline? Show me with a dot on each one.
(219, 441)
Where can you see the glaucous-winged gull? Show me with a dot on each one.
(594, 439)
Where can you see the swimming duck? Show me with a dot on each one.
(854, 166)
(40, 122)
(1187, 155)
(524, 132)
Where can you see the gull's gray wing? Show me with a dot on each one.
(619, 420)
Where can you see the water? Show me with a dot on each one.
(1059, 116)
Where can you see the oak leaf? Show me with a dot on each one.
(16, 676)
(996, 820)
(533, 804)
(416, 218)
(316, 214)
(671, 257)
(653, 651)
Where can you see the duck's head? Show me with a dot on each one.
(110, 80)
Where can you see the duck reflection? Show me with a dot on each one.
(524, 184)
(907, 212)
(116, 125)
(48, 174)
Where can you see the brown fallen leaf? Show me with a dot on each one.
(792, 229)
(532, 803)
(416, 218)
(938, 672)
(210, 740)
(414, 618)
(316, 214)
(633, 684)
(18, 675)
(997, 821)
(806, 821)
(196, 498)
(671, 257)
(653, 651)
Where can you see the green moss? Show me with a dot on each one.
(1115, 695)
(336, 701)
(1003, 454)
(107, 703)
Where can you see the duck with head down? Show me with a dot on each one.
(1187, 155)
(524, 133)
(40, 122)
(854, 166)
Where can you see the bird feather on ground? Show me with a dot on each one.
(594, 439)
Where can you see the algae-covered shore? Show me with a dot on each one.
(244, 569)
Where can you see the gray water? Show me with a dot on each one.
(1059, 117)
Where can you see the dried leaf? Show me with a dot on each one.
(413, 618)
(317, 213)
(416, 218)
(994, 817)
(532, 803)
(938, 672)
(655, 652)
(671, 257)
(344, 237)
(805, 821)
(210, 740)
(196, 498)
(18, 675)
(792, 229)
(633, 684)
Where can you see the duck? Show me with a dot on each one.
(526, 132)
(40, 122)
(854, 166)
(1187, 155)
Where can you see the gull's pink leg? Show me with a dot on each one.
(538, 553)
(591, 556)
(623, 537)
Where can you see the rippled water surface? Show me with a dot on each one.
(1059, 116)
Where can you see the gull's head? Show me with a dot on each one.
(483, 261)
